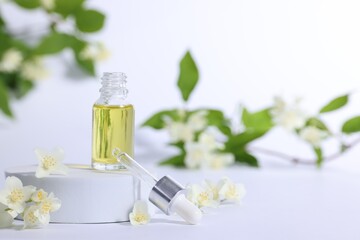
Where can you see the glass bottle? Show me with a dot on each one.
(113, 122)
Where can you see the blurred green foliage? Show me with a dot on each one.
(251, 125)
(21, 62)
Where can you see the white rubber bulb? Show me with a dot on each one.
(186, 209)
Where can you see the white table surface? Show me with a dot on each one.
(282, 203)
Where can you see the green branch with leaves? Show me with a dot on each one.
(206, 138)
(21, 61)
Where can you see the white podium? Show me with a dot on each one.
(87, 196)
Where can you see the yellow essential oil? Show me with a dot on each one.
(113, 122)
(113, 126)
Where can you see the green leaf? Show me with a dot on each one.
(180, 145)
(52, 43)
(239, 141)
(20, 45)
(157, 120)
(335, 104)
(319, 156)
(258, 121)
(244, 157)
(177, 161)
(5, 42)
(2, 22)
(315, 122)
(29, 4)
(4, 99)
(218, 119)
(352, 125)
(87, 65)
(67, 7)
(78, 45)
(23, 87)
(188, 76)
(89, 20)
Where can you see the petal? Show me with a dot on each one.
(28, 191)
(17, 207)
(40, 153)
(58, 154)
(3, 196)
(13, 182)
(29, 220)
(55, 202)
(133, 220)
(147, 219)
(61, 169)
(241, 190)
(44, 218)
(140, 207)
(56, 205)
(5, 219)
(41, 172)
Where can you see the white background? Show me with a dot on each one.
(247, 52)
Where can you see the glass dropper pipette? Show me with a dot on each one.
(166, 193)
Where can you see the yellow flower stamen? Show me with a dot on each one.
(203, 197)
(48, 162)
(16, 195)
(46, 207)
(140, 217)
(31, 218)
(40, 195)
(232, 193)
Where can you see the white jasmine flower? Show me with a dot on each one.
(50, 162)
(45, 207)
(48, 4)
(11, 60)
(313, 135)
(140, 214)
(279, 106)
(201, 196)
(197, 121)
(221, 160)
(216, 133)
(88, 53)
(6, 218)
(34, 69)
(214, 188)
(30, 218)
(290, 117)
(39, 196)
(95, 52)
(181, 113)
(14, 196)
(208, 140)
(179, 131)
(230, 191)
(197, 155)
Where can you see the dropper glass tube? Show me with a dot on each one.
(135, 168)
(166, 193)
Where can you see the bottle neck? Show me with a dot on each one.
(113, 86)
